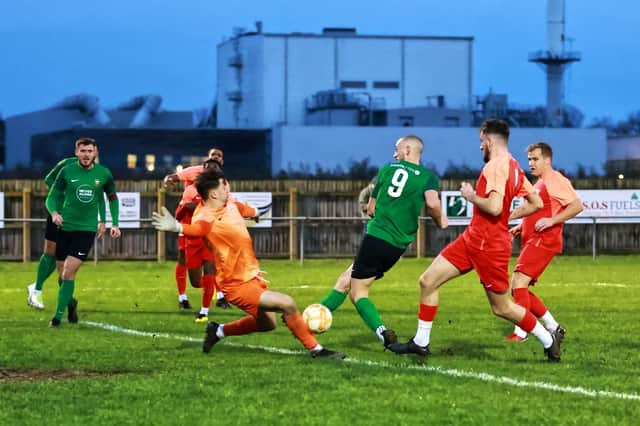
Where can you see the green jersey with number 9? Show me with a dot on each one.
(399, 194)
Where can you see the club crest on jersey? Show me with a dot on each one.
(97, 182)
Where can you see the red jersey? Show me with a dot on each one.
(190, 195)
(189, 175)
(556, 192)
(503, 175)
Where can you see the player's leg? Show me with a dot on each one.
(46, 265)
(504, 307)
(439, 272)
(74, 250)
(520, 290)
(275, 301)
(181, 275)
(531, 264)
(208, 284)
(336, 297)
(374, 258)
(539, 309)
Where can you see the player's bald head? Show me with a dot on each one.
(413, 142)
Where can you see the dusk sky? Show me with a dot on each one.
(119, 49)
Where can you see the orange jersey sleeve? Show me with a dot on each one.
(526, 188)
(496, 173)
(561, 192)
(246, 210)
(189, 175)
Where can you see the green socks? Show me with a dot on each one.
(369, 313)
(333, 300)
(65, 293)
(46, 266)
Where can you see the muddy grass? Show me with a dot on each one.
(30, 375)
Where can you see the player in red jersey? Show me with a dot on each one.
(484, 246)
(188, 176)
(541, 235)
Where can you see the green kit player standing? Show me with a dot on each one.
(401, 190)
(47, 263)
(73, 202)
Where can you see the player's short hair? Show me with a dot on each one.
(412, 139)
(208, 180)
(211, 164)
(495, 126)
(86, 141)
(544, 148)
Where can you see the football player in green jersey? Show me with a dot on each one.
(73, 202)
(47, 263)
(401, 190)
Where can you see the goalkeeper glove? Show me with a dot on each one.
(165, 222)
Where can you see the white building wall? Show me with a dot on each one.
(280, 71)
(337, 146)
(310, 68)
(438, 67)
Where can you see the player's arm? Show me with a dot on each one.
(102, 215)
(491, 204)
(571, 210)
(247, 211)
(114, 206)
(434, 208)
(363, 199)
(164, 221)
(371, 206)
(55, 198)
(170, 180)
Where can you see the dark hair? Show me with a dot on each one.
(207, 180)
(495, 126)
(211, 164)
(86, 141)
(544, 148)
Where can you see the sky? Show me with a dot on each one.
(119, 49)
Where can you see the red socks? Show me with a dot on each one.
(537, 308)
(427, 312)
(208, 284)
(181, 278)
(521, 297)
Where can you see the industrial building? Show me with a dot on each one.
(266, 79)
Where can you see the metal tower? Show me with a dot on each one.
(555, 60)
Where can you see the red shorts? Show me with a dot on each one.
(182, 242)
(196, 252)
(533, 261)
(491, 266)
(246, 296)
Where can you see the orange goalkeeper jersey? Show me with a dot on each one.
(227, 237)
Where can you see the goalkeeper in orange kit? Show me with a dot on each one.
(221, 222)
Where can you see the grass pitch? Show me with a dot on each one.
(135, 359)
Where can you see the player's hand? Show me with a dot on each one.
(544, 223)
(101, 229)
(516, 230)
(165, 222)
(115, 232)
(167, 181)
(444, 222)
(56, 218)
(467, 191)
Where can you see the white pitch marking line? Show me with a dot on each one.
(593, 393)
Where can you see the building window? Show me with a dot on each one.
(450, 121)
(386, 85)
(406, 120)
(132, 159)
(353, 84)
(150, 162)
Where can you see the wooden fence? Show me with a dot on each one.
(331, 227)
